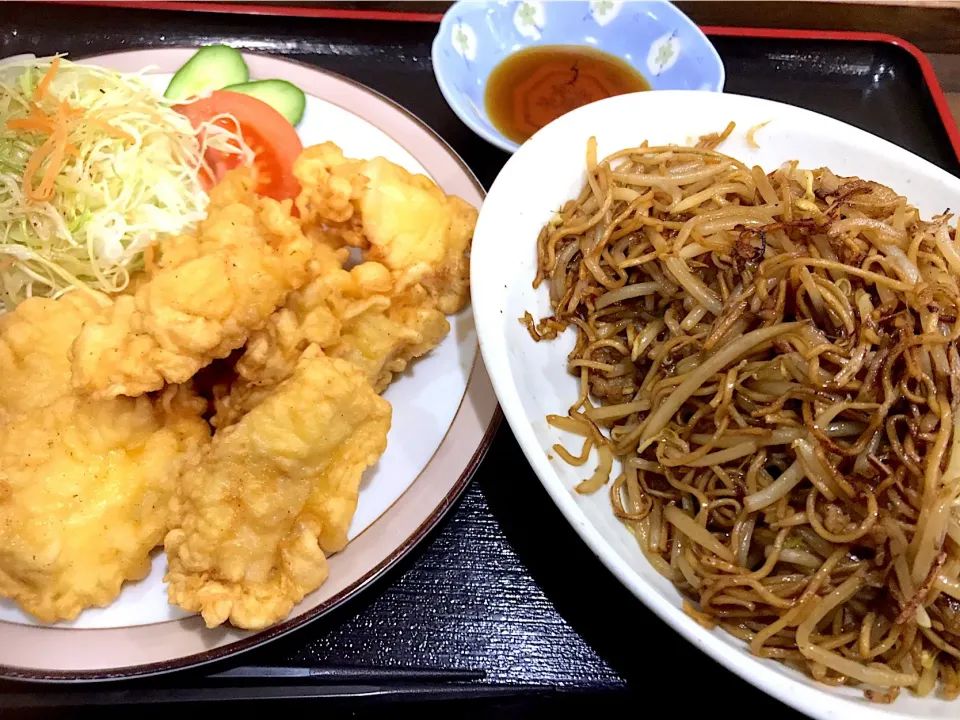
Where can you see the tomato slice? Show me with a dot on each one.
(272, 138)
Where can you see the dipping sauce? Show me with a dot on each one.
(536, 85)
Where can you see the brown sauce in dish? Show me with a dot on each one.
(536, 85)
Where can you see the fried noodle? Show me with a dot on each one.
(771, 360)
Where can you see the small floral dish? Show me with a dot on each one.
(652, 36)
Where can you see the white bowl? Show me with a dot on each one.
(531, 379)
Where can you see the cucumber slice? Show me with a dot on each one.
(286, 98)
(211, 68)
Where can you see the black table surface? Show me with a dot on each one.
(503, 584)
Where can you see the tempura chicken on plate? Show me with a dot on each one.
(34, 348)
(202, 300)
(260, 508)
(105, 451)
(85, 484)
(354, 315)
(244, 546)
(399, 219)
(383, 343)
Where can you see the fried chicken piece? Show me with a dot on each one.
(85, 487)
(399, 219)
(204, 297)
(382, 343)
(34, 343)
(85, 484)
(311, 315)
(272, 353)
(330, 186)
(259, 510)
(351, 315)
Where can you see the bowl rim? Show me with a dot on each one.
(450, 96)
(807, 698)
(496, 138)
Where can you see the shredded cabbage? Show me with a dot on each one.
(95, 167)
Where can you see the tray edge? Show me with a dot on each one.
(926, 68)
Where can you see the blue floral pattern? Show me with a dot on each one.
(464, 41)
(604, 12)
(664, 53)
(529, 19)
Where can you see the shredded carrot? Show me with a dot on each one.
(44, 125)
(56, 147)
(68, 110)
(36, 121)
(44, 85)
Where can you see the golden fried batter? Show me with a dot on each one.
(261, 507)
(352, 315)
(205, 296)
(35, 341)
(85, 487)
(382, 343)
(84, 484)
(399, 219)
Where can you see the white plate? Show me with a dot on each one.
(443, 414)
(531, 379)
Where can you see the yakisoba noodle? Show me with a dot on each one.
(773, 360)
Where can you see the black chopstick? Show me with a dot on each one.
(150, 696)
(346, 675)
